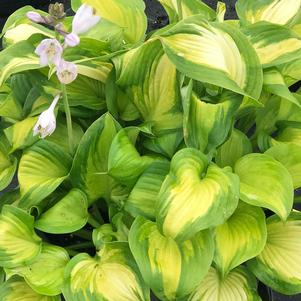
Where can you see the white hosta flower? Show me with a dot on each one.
(50, 52)
(83, 21)
(66, 72)
(35, 17)
(46, 123)
(72, 39)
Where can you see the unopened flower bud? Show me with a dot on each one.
(57, 11)
(35, 17)
(46, 123)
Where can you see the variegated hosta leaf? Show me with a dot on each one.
(274, 44)
(195, 195)
(16, 289)
(154, 88)
(19, 243)
(265, 182)
(8, 163)
(68, 215)
(226, 58)
(165, 145)
(279, 265)
(234, 148)
(274, 83)
(16, 58)
(90, 164)
(61, 132)
(289, 154)
(238, 285)
(188, 8)
(289, 132)
(112, 275)
(207, 125)
(24, 31)
(171, 270)
(128, 15)
(240, 238)
(45, 274)
(93, 90)
(274, 11)
(125, 163)
(143, 197)
(9, 105)
(291, 71)
(20, 134)
(42, 168)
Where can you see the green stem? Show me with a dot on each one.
(97, 214)
(68, 118)
(82, 245)
(180, 11)
(71, 252)
(93, 222)
(85, 234)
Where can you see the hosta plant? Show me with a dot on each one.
(163, 161)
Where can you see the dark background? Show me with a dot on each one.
(156, 19)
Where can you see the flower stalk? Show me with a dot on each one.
(68, 118)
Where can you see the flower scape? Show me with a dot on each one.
(166, 161)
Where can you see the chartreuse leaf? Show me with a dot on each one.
(8, 163)
(68, 215)
(265, 182)
(16, 289)
(289, 154)
(274, 11)
(42, 168)
(153, 88)
(274, 83)
(125, 162)
(226, 58)
(90, 164)
(20, 134)
(16, 58)
(238, 285)
(279, 265)
(289, 132)
(187, 8)
(216, 120)
(240, 238)
(111, 275)
(274, 44)
(19, 243)
(143, 196)
(234, 148)
(24, 31)
(129, 16)
(45, 274)
(195, 195)
(9, 106)
(171, 270)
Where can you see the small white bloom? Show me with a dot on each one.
(46, 123)
(66, 72)
(50, 51)
(84, 19)
(72, 39)
(35, 17)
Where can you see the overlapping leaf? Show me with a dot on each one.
(171, 270)
(195, 195)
